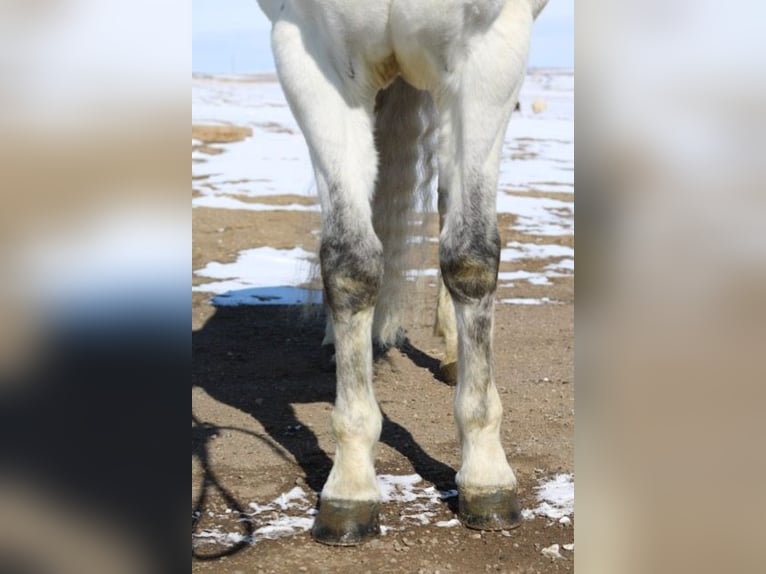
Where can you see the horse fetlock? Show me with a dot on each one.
(486, 483)
(484, 467)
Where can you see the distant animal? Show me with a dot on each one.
(387, 92)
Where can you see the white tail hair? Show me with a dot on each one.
(405, 126)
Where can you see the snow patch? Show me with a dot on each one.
(552, 552)
(260, 267)
(228, 202)
(556, 497)
(537, 154)
(288, 514)
(292, 512)
(538, 215)
(423, 503)
(529, 301)
(517, 250)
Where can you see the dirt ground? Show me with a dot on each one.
(261, 405)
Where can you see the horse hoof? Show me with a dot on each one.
(494, 511)
(346, 522)
(449, 373)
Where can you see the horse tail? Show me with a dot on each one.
(405, 127)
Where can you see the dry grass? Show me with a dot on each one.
(220, 133)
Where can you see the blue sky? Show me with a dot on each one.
(232, 36)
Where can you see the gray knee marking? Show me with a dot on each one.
(469, 262)
(352, 270)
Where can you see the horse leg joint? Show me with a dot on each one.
(352, 270)
(469, 262)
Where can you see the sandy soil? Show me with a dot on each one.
(260, 415)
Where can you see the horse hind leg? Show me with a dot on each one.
(445, 325)
(337, 122)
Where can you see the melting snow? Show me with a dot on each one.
(556, 497)
(552, 552)
(289, 513)
(260, 267)
(529, 301)
(423, 502)
(292, 512)
(228, 202)
(517, 250)
(537, 155)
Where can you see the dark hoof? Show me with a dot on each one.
(379, 350)
(449, 373)
(495, 511)
(327, 358)
(346, 522)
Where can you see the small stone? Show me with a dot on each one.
(393, 561)
(475, 536)
(552, 552)
(303, 569)
(569, 547)
(505, 533)
(565, 520)
(408, 542)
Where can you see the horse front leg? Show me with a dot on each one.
(469, 255)
(352, 267)
(476, 106)
(336, 117)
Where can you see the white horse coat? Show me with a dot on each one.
(379, 87)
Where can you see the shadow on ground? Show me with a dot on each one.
(263, 360)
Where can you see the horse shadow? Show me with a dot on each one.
(263, 360)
